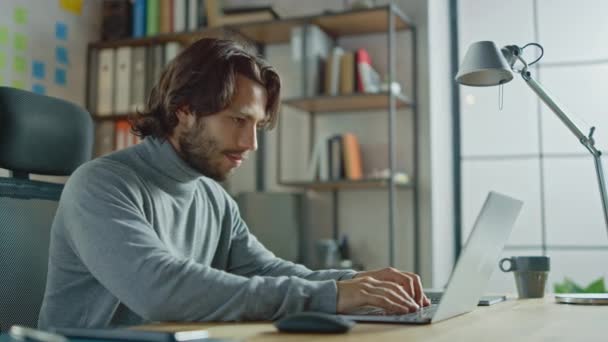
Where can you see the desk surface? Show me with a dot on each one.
(514, 320)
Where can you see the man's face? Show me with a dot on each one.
(217, 144)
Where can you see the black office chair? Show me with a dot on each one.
(39, 135)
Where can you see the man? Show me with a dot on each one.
(146, 234)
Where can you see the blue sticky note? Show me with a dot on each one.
(60, 77)
(61, 31)
(61, 54)
(38, 70)
(39, 89)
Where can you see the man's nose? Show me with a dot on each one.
(249, 139)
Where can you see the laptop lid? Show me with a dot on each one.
(480, 256)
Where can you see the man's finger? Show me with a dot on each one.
(395, 293)
(385, 303)
(417, 282)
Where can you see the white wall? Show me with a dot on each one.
(524, 150)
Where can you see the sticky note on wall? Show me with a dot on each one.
(60, 77)
(19, 84)
(72, 6)
(3, 35)
(39, 89)
(61, 54)
(38, 70)
(20, 42)
(20, 15)
(61, 31)
(19, 64)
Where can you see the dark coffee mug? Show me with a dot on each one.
(530, 274)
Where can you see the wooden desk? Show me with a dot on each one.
(514, 320)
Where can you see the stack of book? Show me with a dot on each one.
(120, 81)
(331, 70)
(336, 158)
(141, 18)
(113, 136)
(121, 78)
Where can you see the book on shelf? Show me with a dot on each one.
(335, 158)
(152, 17)
(347, 73)
(332, 71)
(104, 138)
(121, 78)
(138, 19)
(368, 79)
(311, 45)
(113, 136)
(123, 135)
(353, 166)
(165, 16)
(116, 19)
(138, 79)
(122, 86)
(105, 79)
(180, 18)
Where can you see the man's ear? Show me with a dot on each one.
(184, 116)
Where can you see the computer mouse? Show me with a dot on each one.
(314, 322)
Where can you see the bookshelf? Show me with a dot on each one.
(383, 19)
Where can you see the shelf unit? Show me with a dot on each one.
(383, 19)
(387, 19)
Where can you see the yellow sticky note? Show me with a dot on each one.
(20, 15)
(19, 84)
(72, 6)
(19, 64)
(3, 35)
(20, 42)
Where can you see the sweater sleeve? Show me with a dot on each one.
(108, 231)
(248, 257)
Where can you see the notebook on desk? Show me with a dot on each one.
(478, 259)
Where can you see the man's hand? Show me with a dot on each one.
(410, 282)
(394, 291)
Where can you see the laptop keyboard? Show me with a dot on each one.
(424, 314)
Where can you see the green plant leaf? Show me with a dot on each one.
(567, 286)
(596, 286)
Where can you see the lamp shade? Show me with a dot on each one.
(484, 65)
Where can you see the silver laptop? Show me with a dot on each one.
(473, 270)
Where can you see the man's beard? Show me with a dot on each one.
(202, 153)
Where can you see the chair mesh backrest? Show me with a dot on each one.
(27, 209)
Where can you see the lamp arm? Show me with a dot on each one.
(585, 140)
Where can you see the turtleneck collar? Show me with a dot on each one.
(162, 157)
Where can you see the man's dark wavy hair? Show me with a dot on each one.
(202, 78)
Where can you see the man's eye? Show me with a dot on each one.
(238, 121)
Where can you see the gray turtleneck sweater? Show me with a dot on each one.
(139, 236)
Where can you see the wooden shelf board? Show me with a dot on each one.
(269, 32)
(363, 21)
(345, 184)
(359, 22)
(342, 103)
(182, 37)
